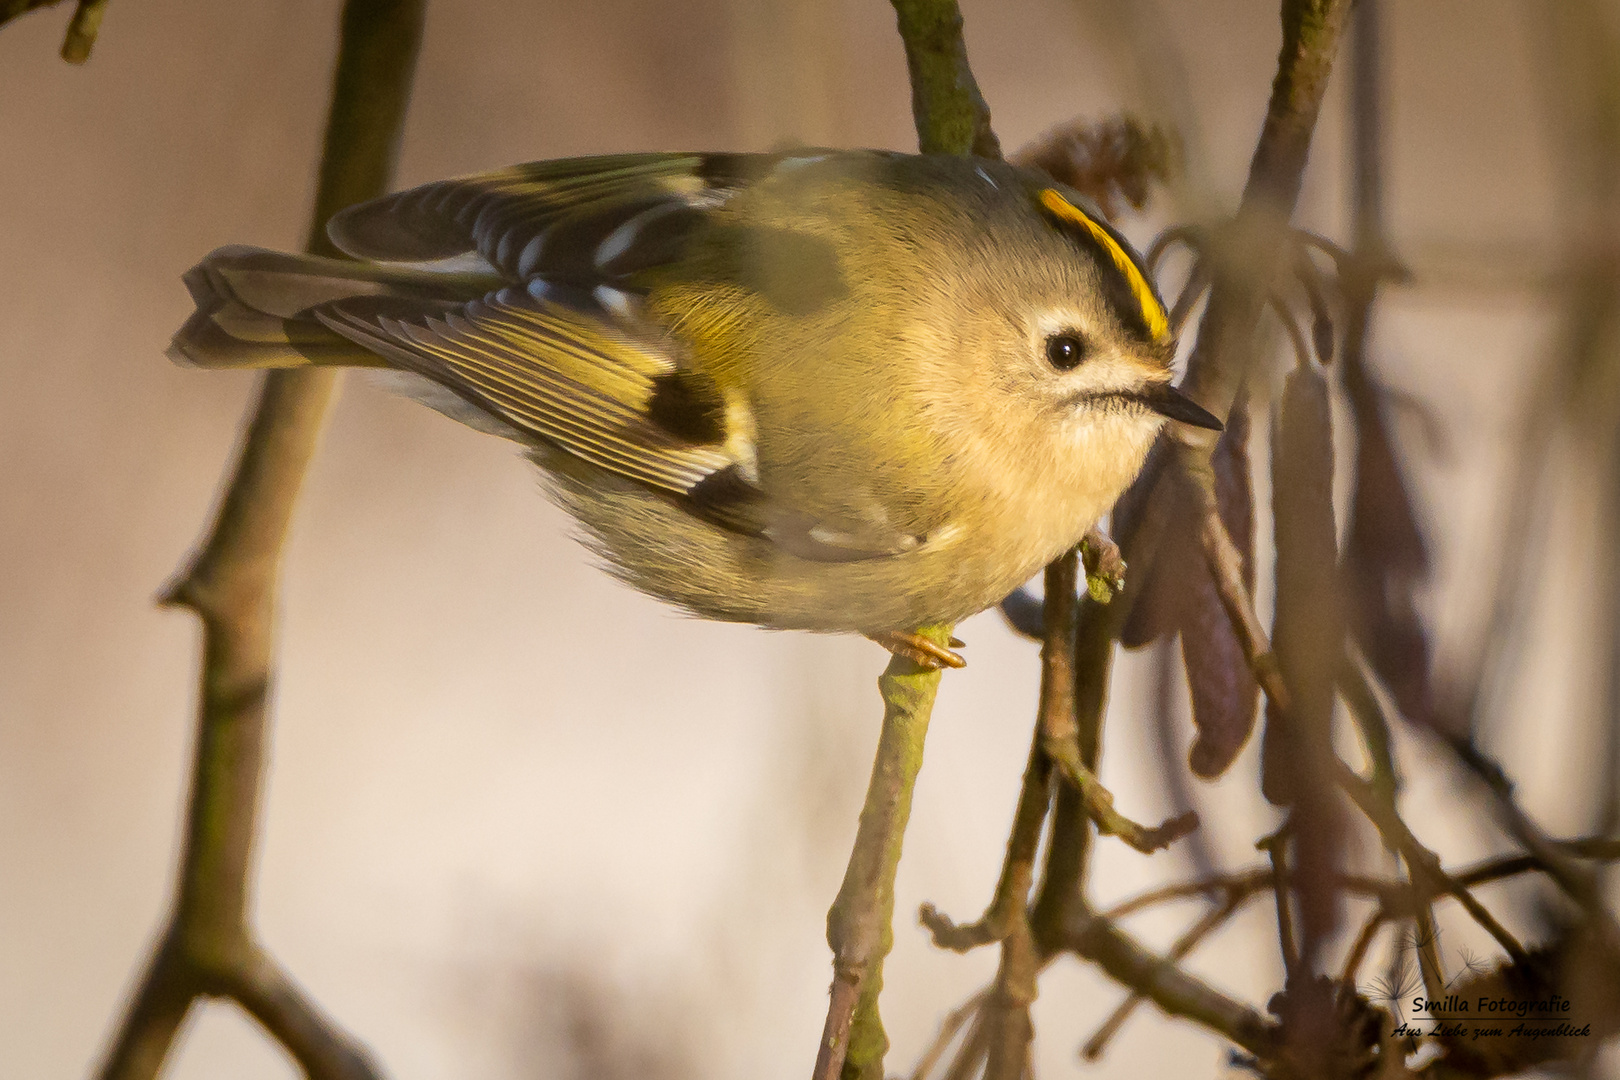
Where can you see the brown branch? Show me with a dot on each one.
(1004, 1018)
(1578, 882)
(1010, 1031)
(1423, 864)
(1226, 566)
(1017, 868)
(209, 947)
(1189, 940)
(1127, 962)
(1060, 732)
(1393, 896)
(1244, 883)
(1362, 943)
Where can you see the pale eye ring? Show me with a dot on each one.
(1066, 351)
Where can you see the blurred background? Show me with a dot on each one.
(493, 850)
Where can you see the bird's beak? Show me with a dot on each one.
(1166, 400)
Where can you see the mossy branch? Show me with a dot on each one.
(209, 947)
(951, 118)
(950, 113)
(860, 923)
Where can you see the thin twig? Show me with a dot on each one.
(1393, 896)
(1169, 987)
(1363, 942)
(1188, 941)
(230, 582)
(1060, 730)
(953, 1023)
(1580, 883)
(1242, 884)
(1226, 566)
(1421, 862)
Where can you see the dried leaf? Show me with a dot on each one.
(1113, 162)
(1308, 638)
(1224, 692)
(1178, 595)
(1386, 559)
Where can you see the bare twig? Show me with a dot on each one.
(1226, 564)
(1060, 731)
(948, 1030)
(1358, 949)
(1017, 868)
(1127, 962)
(1580, 883)
(209, 946)
(1423, 863)
(1189, 940)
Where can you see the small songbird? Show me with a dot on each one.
(828, 390)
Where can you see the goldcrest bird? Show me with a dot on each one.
(833, 391)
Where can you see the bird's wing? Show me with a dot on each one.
(564, 353)
(579, 220)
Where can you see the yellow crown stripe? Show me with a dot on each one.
(1153, 313)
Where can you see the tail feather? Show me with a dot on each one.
(257, 308)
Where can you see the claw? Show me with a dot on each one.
(919, 650)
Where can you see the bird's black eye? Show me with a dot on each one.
(1065, 351)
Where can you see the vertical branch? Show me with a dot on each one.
(1221, 357)
(950, 113)
(230, 583)
(1219, 363)
(1386, 558)
(1012, 1031)
(951, 118)
(859, 925)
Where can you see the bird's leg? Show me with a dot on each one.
(919, 650)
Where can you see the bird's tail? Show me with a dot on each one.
(257, 308)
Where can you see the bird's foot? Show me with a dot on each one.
(919, 650)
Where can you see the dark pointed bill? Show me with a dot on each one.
(1166, 400)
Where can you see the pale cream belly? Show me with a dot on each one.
(659, 548)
